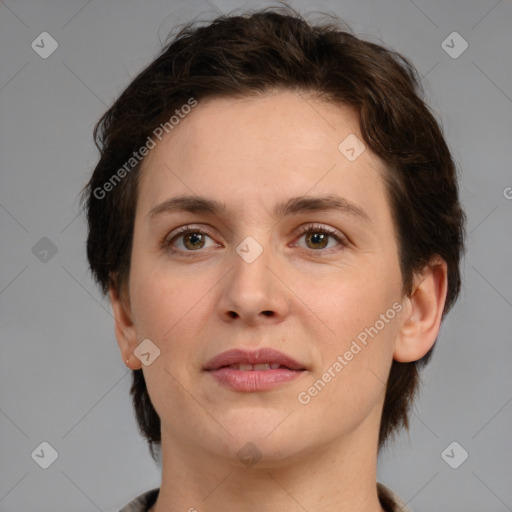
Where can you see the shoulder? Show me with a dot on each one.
(389, 500)
(143, 502)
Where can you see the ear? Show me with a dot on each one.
(423, 312)
(126, 333)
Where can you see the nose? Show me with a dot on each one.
(253, 293)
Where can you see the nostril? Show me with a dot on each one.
(232, 314)
(267, 313)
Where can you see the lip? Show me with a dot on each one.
(220, 368)
(262, 355)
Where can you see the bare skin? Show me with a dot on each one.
(308, 295)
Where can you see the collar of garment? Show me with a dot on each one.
(389, 500)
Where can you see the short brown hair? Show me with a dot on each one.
(277, 49)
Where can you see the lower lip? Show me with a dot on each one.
(254, 380)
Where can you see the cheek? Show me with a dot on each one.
(347, 301)
(171, 311)
(356, 352)
(160, 303)
(351, 382)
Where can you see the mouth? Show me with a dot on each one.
(257, 370)
(256, 367)
(264, 359)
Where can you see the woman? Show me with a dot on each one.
(275, 218)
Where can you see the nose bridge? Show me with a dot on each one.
(251, 261)
(252, 290)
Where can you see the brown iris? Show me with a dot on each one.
(317, 240)
(193, 241)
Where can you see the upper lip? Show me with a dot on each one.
(259, 356)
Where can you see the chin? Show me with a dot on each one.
(263, 440)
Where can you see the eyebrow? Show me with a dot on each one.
(294, 206)
(192, 204)
(298, 205)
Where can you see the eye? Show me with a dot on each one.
(188, 239)
(320, 237)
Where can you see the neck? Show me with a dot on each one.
(331, 478)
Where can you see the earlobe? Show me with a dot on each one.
(423, 313)
(126, 333)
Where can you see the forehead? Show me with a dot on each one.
(291, 124)
(254, 150)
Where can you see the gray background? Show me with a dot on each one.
(61, 376)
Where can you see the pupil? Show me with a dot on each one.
(318, 239)
(194, 241)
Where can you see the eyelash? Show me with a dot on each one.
(167, 242)
(317, 228)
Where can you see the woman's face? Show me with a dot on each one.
(282, 239)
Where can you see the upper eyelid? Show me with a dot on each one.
(320, 227)
(187, 228)
(300, 230)
(333, 232)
